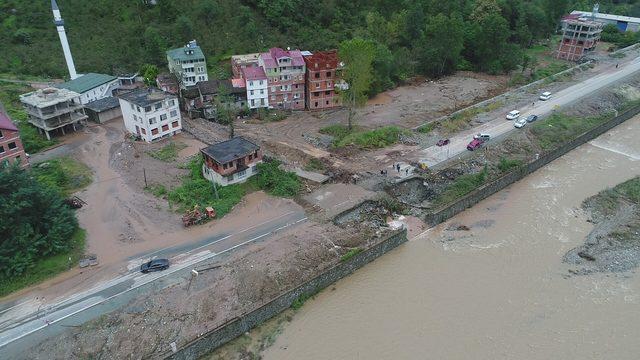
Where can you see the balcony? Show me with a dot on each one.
(58, 121)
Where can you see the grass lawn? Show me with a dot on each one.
(365, 139)
(558, 128)
(64, 174)
(46, 268)
(167, 153)
(462, 186)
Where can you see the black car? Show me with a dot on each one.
(155, 265)
(532, 118)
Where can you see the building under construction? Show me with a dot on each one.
(580, 37)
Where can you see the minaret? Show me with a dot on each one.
(57, 19)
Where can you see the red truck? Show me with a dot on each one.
(475, 144)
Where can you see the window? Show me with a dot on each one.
(132, 107)
(173, 113)
(273, 98)
(224, 166)
(253, 102)
(328, 73)
(174, 124)
(241, 174)
(327, 92)
(296, 86)
(147, 109)
(316, 104)
(250, 157)
(154, 131)
(18, 158)
(273, 89)
(163, 117)
(262, 101)
(152, 121)
(261, 91)
(317, 75)
(144, 132)
(327, 102)
(1, 135)
(158, 106)
(138, 107)
(250, 92)
(250, 83)
(171, 102)
(1, 149)
(165, 127)
(135, 118)
(260, 82)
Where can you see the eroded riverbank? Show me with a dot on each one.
(499, 290)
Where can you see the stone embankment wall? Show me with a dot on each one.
(439, 215)
(238, 326)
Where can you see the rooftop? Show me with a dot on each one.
(254, 73)
(86, 82)
(6, 123)
(607, 16)
(103, 104)
(48, 97)
(230, 150)
(210, 87)
(183, 54)
(146, 97)
(323, 59)
(246, 58)
(167, 79)
(270, 58)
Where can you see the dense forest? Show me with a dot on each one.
(430, 37)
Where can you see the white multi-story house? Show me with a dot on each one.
(151, 113)
(92, 86)
(188, 64)
(256, 84)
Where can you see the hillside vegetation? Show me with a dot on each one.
(429, 37)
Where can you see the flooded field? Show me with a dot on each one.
(497, 291)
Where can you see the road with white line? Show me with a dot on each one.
(435, 155)
(24, 323)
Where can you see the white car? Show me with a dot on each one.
(482, 136)
(520, 123)
(514, 114)
(545, 96)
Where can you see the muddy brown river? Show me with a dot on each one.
(498, 291)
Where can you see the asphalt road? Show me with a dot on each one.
(21, 329)
(435, 155)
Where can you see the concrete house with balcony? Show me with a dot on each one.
(285, 70)
(11, 149)
(53, 110)
(151, 114)
(92, 86)
(256, 87)
(188, 64)
(230, 162)
(321, 80)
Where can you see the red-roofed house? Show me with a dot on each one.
(322, 67)
(256, 84)
(285, 71)
(11, 148)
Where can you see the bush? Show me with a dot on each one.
(427, 128)
(560, 128)
(462, 186)
(338, 131)
(36, 224)
(157, 190)
(506, 165)
(351, 253)
(277, 182)
(372, 139)
(314, 165)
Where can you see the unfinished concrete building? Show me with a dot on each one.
(579, 38)
(54, 110)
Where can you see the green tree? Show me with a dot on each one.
(34, 222)
(357, 55)
(184, 26)
(441, 45)
(226, 111)
(154, 46)
(149, 73)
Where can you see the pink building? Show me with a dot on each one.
(11, 148)
(285, 71)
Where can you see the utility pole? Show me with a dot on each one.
(144, 173)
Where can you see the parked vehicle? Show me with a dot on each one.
(532, 118)
(482, 136)
(520, 123)
(545, 96)
(513, 114)
(442, 142)
(475, 144)
(154, 265)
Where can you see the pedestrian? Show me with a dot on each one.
(533, 103)
(398, 167)
(617, 65)
(406, 172)
(381, 172)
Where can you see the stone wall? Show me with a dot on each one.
(439, 215)
(238, 326)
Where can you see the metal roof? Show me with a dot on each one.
(146, 97)
(181, 53)
(104, 104)
(6, 123)
(86, 82)
(230, 150)
(607, 16)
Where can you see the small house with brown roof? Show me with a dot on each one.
(230, 162)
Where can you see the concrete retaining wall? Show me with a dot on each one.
(238, 326)
(444, 213)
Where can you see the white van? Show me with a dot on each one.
(514, 114)
(545, 96)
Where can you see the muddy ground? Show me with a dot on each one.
(243, 281)
(614, 243)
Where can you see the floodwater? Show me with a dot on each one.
(498, 291)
